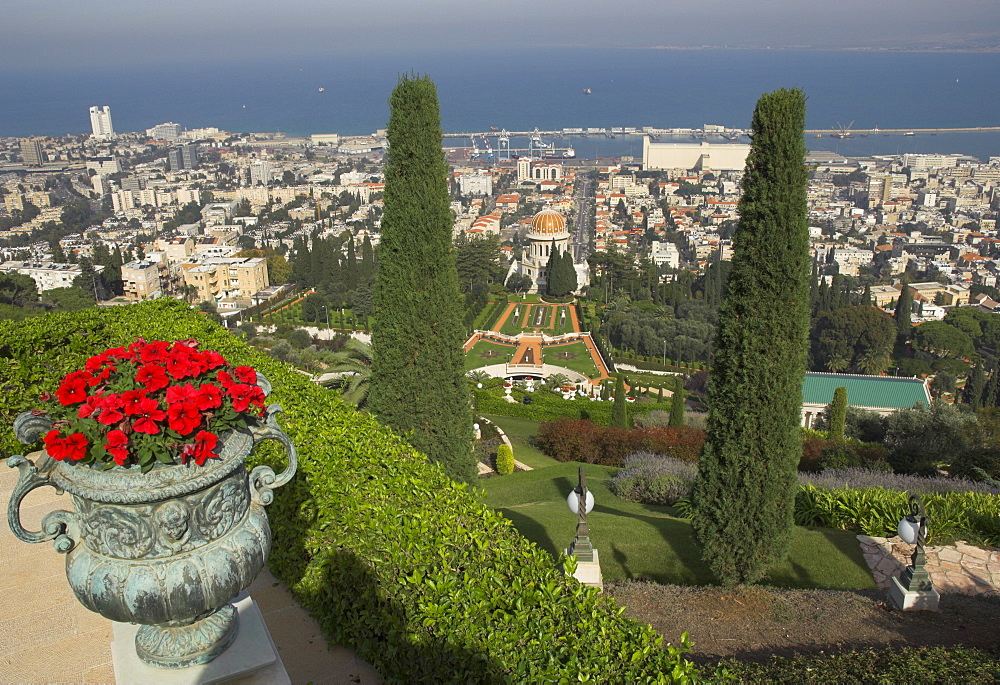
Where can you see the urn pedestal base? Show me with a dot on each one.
(250, 659)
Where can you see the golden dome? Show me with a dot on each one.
(548, 222)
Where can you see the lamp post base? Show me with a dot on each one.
(589, 572)
(913, 600)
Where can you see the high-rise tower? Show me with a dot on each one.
(100, 122)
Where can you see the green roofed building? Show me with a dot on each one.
(880, 394)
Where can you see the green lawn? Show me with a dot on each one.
(646, 541)
(546, 324)
(520, 432)
(480, 355)
(578, 360)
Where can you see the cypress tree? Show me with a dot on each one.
(677, 405)
(350, 263)
(975, 386)
(619, 415)
(904, 306)
(837, 415)
(745, 491)
(367, 274)
(418, 385)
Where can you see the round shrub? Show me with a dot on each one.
(839, 455)
(505, 460)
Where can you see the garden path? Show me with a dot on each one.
(958, 568)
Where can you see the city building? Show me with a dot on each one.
(216, 278)
(260, 172)
(141, 279)
(183, 157)
(31, 152)
(47, 275)
(700, 156)
(100, 122)
(881, 394)
(665, 253)
(104, 165)
(478, 183)
(167, 131)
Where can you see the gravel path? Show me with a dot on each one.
(752, 623)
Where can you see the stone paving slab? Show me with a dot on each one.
(959, 568)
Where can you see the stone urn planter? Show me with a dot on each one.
(165, 547)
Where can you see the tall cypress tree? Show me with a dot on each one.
(745, 491)
(904, 307)
(619, 413)
(677, 405)
(838, 415)
(418, 386)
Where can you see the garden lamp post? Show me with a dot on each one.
(327, 310)
(581, 501)
(914, 589)
(664, 352)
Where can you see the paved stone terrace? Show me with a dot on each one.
(959, 568)
(47, 636)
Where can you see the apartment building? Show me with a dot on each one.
(237, 278)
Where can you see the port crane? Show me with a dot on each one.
(845, 131)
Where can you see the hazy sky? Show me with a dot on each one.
(100, 33)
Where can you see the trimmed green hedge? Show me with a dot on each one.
(549, 406)
(392, 558)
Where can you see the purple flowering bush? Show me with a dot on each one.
(858, 477)
(858, 499)
(649, 479)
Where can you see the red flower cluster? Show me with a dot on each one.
(150, 400)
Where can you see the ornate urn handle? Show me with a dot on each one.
(62, 527)
(263, 479)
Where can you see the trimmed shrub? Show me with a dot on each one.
(839, 455)
(505, 459)
(580, 440)
(422, 597)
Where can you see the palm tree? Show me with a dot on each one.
(836, 362)
(478, 376)
(874, 361)
(557, 380)
(353, 366)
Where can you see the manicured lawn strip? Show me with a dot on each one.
(646, 541)
(520, 432)
(474, 358)
(514, 325)
(581, 363)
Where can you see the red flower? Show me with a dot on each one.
(246, 374)
(90, 406)
(73, 388)
(153, 377)
(180, 363)
(111, 409)
(244, 395)
(130, 401)
(73, 447)
(224, 378)
(149, 414)
(209, 397)
(154, 352)
(183, 418)
(119, 353)
(201, 448)
(117, 440)
(209, 360)
(181, 394)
